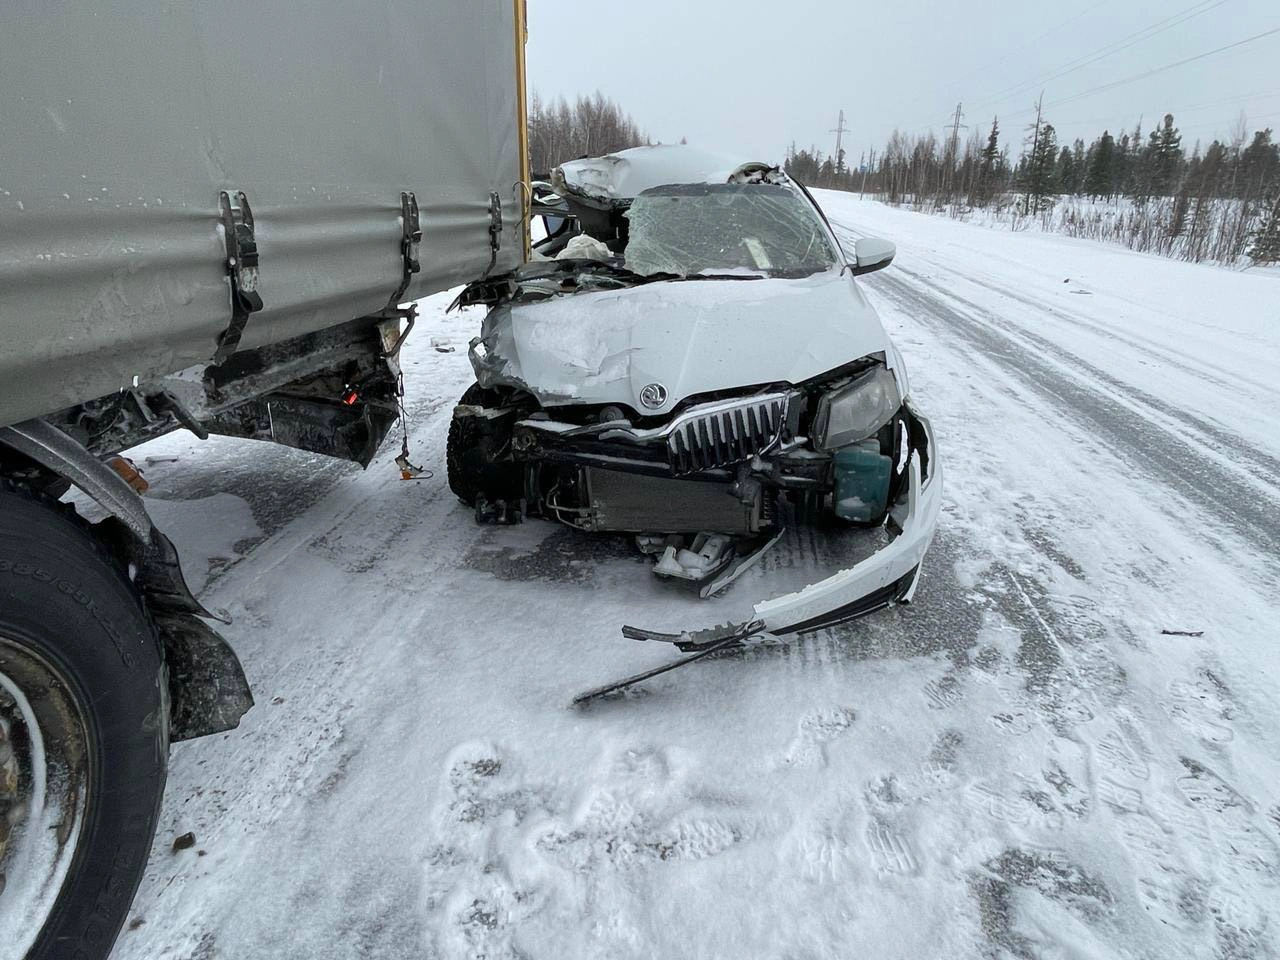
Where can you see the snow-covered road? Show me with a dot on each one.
(1021, 763)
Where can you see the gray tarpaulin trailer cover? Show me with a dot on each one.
(122, 122)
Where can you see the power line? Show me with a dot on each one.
(1031, 43)
(1115, 46)
(1071, 66)
(1168, 66)
(1199, 128)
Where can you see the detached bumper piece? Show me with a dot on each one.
(888, 576)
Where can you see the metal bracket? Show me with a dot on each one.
(242, 268)
(410, 241)
(495, 231)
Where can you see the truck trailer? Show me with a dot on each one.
(213, 217)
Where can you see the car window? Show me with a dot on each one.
(766, 229)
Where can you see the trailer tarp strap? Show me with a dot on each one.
(242, 268)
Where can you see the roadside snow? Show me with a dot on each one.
(1018, 764)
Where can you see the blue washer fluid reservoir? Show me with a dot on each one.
(862, 481)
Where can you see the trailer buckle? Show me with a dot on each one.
(242, 268)
(410, 242)
(495, 231)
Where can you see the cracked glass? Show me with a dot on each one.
(749, 229)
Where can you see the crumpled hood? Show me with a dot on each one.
(692, 337)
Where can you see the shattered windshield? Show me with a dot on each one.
(762, 229)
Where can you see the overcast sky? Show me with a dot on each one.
(753, 76)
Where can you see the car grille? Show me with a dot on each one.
(725, 433)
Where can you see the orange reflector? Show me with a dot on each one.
(130, 473)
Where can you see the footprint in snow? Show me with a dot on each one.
(944, 692)
(808, 748)
(1200, 706)
(890, 849)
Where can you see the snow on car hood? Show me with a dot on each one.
(690, 336)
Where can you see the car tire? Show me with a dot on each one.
(84, 734)
(472, 453)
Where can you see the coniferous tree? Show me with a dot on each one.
(1038, 171)
(1266, 239)
(989, 163)
(1165, 158)
(1065, 174)
(1101, 176)
(1259, 165)
(1132, 165)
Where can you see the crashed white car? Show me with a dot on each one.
(689, 359)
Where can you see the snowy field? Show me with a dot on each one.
(1019, 764)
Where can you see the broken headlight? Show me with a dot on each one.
(856, 410)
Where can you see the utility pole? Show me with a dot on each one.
(840, 131)
(953, 148)
(953, 145)
(1035, 143)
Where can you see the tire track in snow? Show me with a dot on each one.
(1217, 491)
(1262, 464)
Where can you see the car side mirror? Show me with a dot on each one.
(871, 254)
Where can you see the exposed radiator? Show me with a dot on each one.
(726, 434)
(633, 503)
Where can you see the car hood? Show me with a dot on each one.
(692, 337)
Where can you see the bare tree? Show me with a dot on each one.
(590, 126)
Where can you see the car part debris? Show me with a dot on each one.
(740, 565)
(704, 558)
(501, 511)
(732, 638)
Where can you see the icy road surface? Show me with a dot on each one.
(1020, 764)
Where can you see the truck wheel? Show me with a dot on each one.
(473, 450)
(84, 735)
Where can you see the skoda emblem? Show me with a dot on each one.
(653, 396)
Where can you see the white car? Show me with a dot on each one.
(689, 359)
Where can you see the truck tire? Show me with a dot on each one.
(473, 449)
(84, 735)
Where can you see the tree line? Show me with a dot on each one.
(590, 126)
(1219, 202)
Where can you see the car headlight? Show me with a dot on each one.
(856, 410)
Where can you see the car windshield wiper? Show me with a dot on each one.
(586, 265)
(722, 276)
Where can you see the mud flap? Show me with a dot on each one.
(208, 691)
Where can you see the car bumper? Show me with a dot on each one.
(889, 575)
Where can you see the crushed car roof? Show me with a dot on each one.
(628, 173)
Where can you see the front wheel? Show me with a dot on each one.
(478, 452)
(84, 735)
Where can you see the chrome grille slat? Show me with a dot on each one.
(726, 434)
